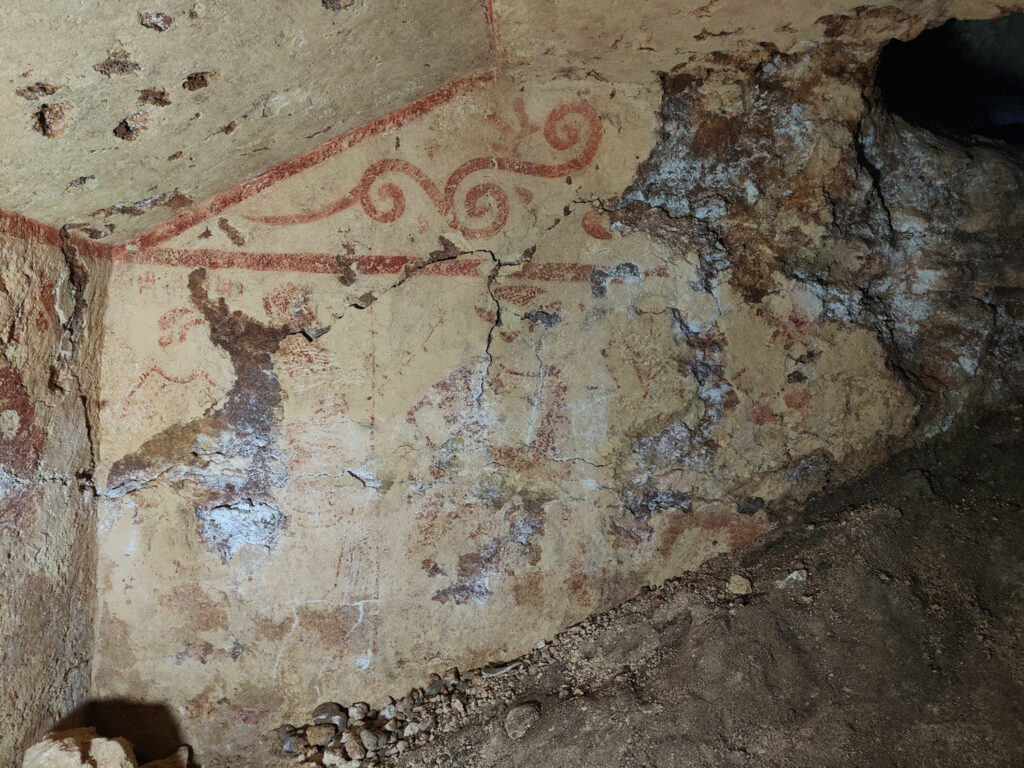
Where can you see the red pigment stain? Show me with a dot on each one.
(761, 415)
(594, 226)
(797, 398)
(20, 451)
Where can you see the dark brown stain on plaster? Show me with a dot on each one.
(156, 97)
(346, 274)
(130, 128)
(232, 508)
(174, 200)
(233, 234)
(37, 91)
(198, 80)
(80, 182)
(52, 120)
(119, 62)
(891, 18)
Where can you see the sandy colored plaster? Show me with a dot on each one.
(289, 77)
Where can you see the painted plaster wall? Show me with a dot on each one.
(503, 359)
(50, 304)
(117, 116)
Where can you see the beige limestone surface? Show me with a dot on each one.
(116, 116)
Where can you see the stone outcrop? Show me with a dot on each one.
(82, 748)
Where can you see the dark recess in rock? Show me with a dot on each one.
(964, 79)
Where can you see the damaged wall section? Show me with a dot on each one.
(51, 305)
(336, 457)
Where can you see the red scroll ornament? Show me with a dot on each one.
(485, 201)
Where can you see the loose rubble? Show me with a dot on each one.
(358, 735)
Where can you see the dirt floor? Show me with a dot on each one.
(883, 627)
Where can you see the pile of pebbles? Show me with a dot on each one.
(359, 736)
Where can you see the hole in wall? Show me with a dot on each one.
(964, 79)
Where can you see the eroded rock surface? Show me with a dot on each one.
(51, 304)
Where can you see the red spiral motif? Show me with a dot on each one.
(486, 202)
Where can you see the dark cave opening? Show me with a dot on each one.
(964, 79)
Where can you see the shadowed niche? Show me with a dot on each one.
(964, 79)
(152, 729)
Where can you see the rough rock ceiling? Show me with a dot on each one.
(115, 117)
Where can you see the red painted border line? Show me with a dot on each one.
(323, 263)
(187, 219)
(367, 264)
(318, 263)
(15, 225)
(571, 273)
(141, 250)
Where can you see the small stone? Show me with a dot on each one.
(404, 707)
(370, 740)
(321, 734)
(740, 585)
(796, 577)
(389, 712)
(354, 749)
(331, 712)
(521, 718)
(334, 756)
(358, 711)
(417, 728)
(435, 685)
(292, 739)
